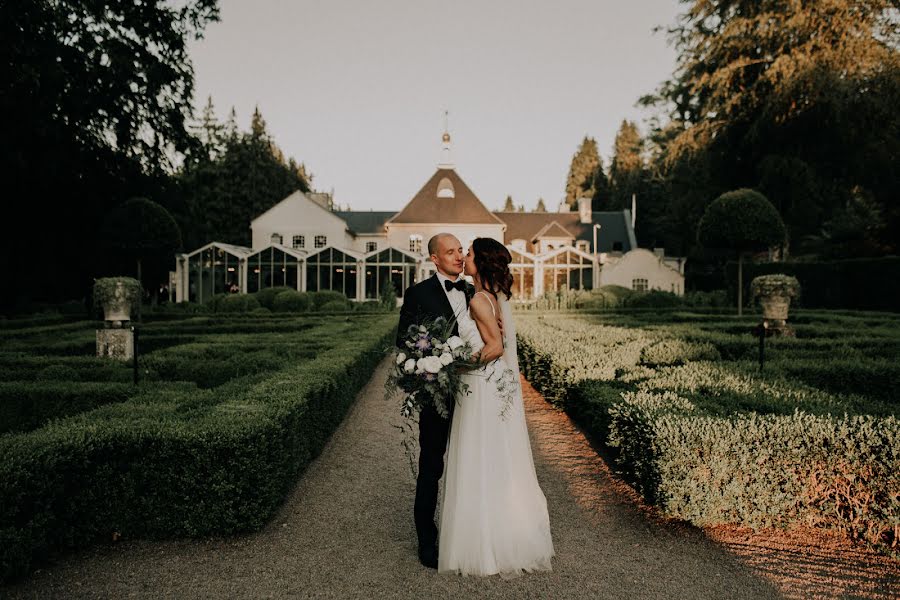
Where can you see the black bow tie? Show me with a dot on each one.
(458, 285)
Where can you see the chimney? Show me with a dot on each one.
(584, 210)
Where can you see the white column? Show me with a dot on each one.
(360, 281)
(301, 278)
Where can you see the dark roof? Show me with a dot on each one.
(615, 226)
(464, 207)
(361, 221)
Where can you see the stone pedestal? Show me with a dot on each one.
(117, 344)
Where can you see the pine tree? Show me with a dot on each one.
(626, 171)
(540, 206)
(521, 208)
(249, 177)
(581, 172)
(509, 206)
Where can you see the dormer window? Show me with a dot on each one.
(276, 239)
(445, 189)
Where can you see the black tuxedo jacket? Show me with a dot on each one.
(424, 301)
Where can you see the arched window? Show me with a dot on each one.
(276, 238)
(445, 189)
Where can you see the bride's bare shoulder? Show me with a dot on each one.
(482, 307)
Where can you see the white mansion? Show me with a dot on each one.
(304, 243)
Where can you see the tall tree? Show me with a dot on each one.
(541, 207)
(92, 111)
(760, 85)
(579, 182)
(225, 193)
(508, 206)
(626, 170)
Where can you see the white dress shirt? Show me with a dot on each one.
(456, 297)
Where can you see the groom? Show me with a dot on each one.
(445, 294)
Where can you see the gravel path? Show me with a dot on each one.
(346, 531)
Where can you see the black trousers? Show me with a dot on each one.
(433, 431)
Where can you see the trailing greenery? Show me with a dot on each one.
(688, 419)
(105, 290)
(776, 284)
(170, 462)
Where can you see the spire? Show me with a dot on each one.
(446, 162)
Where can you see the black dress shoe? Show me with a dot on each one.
(428, 556)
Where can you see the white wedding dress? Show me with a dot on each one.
(494, 515)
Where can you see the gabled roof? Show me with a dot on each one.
(463, 207)
(553, 229)
(615, 226)
(360, 221)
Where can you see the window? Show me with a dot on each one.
(299, 241)
(321, 241)
(639, 285)
(276, 239)
(583, 245)
(371, 246)
(415, 243)
(445, 189)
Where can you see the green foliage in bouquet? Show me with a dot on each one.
(425, 371)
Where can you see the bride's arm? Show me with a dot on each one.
(480, 307)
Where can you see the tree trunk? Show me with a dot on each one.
(141, 293)
(740, 284)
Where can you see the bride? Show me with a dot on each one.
(494, 515)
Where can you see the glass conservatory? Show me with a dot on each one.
(392, 265)
(213, 269)
(275, 266)
(333, 269)
(566, 268)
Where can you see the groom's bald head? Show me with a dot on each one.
(446, 254)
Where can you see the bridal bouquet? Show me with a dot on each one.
(426, 371)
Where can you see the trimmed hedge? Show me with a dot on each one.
(291, 301)
(266, 296)
(712, 441)
(28, 405)
(762, 470)
(167, 463)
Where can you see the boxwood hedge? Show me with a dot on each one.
(171, 463)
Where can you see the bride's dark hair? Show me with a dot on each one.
(492, 261)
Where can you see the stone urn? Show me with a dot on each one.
(775, 293)
(116, 295)
(118, 308)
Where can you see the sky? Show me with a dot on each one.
(357, 90)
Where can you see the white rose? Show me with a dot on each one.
(446, 358)
(420, 365)
(401, 357)
(454, 342)
(410, 365)
(432, 364)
